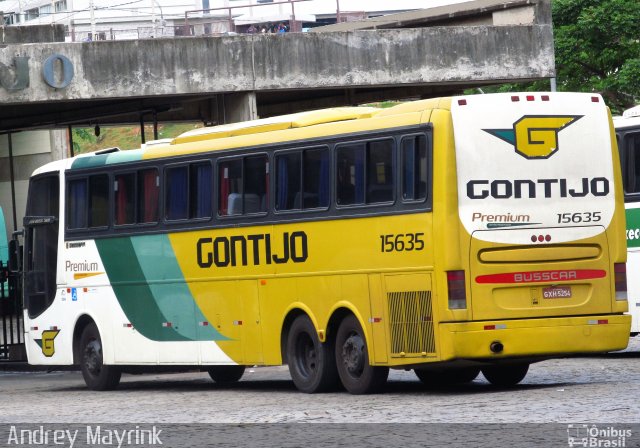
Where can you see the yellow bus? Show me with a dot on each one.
(449, 236)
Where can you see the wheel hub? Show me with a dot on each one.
(92, 357)
(353, 354)
(307, 356)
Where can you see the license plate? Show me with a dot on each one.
(556, 292)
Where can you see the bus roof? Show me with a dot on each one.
(299, 120)
(280, 129)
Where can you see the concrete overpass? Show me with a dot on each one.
(228, 78)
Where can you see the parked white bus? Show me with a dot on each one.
(628, 134)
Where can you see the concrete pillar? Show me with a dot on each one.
(239, 107)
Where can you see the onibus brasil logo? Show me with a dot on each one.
(535, 136)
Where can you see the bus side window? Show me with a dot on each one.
(188, 192)
(302, 179)
(380, 171)
(243, 194)
(77, 204)
(364, 173)
(414, 168)
(99, 200)
(288, 194)
(633, 163)
(315, 173)
(350, 174)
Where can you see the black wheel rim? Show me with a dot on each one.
(353, 355)
(306, 356)
(93, 357)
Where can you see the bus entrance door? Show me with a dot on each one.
(41, 244)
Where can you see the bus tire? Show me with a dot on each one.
(96, 374)
(311, 362)
(447, 377)
(352, 359)
(505, 375)
(226, 374)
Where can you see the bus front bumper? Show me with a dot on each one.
(534, 337)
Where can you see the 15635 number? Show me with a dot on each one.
(566, 218)
(401, 242)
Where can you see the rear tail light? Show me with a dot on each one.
(620, 275)
(457, 290)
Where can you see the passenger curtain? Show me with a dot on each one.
(223, 203)
(151, 195)
(203, 191)
(177, 199)
(121, 200)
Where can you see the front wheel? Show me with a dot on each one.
(311, 362)
(352, 359)
(226, 374)
(96, 374)
(505, 375)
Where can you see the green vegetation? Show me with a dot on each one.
(124, 137)
(597, 48)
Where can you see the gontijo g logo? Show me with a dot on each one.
(535, 136)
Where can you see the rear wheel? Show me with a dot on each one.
(226, 374)
(505, 375)
(96, 374)
(448, 377)
(311, 362)
(352, 359)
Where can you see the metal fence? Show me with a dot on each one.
(11, 318)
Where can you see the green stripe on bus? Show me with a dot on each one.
(132, 291)
(633, 227)
(107, 159)
(172, 295)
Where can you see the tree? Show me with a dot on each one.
(597, 47)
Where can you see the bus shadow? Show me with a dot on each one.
(287, 386)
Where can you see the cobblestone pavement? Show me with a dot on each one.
(591, 389)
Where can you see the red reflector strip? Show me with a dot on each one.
(34, 328)
(530, 98)
(495, 327)
(542, 276)
(515, 99)
(595, 99)
(167, 324)
(237, 322)
(127, 325)
(203, 324)
(545, 97)
(375, 320)
(54, 328)
(598, 322)
(462, 102)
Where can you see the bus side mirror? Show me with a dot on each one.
(15, 256)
